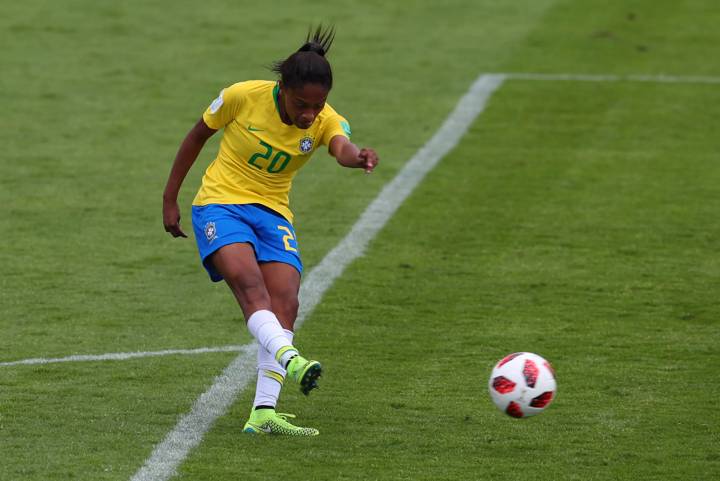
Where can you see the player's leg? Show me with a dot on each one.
(283, 290)
(279, 256)
(236, 263)
(270, 378)
(225, 239)
(263, 417)
(283, 284)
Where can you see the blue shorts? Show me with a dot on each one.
(270, 234)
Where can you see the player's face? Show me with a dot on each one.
(304, 104)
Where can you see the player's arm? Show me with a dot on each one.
(186, 156)
(350, 155)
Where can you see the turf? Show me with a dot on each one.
(573, 251)
(575, 220)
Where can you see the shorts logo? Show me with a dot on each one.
(306, 144)
(210, 231)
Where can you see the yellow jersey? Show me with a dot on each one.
(259, 154)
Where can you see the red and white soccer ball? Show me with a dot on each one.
(522, 384)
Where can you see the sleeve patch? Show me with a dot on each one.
(217, 103)
(346, 128)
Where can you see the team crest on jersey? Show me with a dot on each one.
(306, 144)
(210, 231)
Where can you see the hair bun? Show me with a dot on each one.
(313, 47)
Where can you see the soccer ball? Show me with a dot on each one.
(522, 384)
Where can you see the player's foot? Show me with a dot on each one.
(305, 373)
(267, 421)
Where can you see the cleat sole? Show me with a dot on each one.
(309, 379)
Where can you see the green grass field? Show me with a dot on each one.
(575, 219)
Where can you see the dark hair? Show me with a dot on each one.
(308, 64)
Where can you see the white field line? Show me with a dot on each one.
(170, 453)
(674, 79)
(671, 79)
(122, 356)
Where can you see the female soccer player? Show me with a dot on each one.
(241, 215)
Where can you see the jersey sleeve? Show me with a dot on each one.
(336, 125)
(225, 107)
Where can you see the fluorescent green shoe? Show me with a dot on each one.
(305, 373)
(267, 421)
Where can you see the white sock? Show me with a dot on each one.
(271, 376)
(266, 328)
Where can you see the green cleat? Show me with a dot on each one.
(267, 421)
(305, 373)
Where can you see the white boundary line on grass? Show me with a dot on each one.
(121, 356)
(191, 428)
(662, 78)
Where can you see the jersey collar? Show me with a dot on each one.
(276, 94)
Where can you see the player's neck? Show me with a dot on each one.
(281, 109)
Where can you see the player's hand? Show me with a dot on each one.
(369, 160)
(171, 219)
